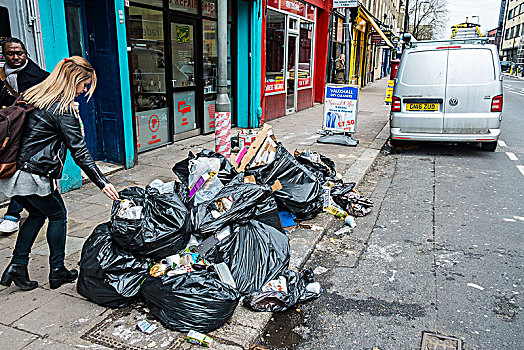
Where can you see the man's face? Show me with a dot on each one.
(15, 55)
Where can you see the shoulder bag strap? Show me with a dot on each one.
(3, 77)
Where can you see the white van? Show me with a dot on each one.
(449, 90)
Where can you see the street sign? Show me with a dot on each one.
(345, 3)
(395, 39)
(340, 108)
(389, 91)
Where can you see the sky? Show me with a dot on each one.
(487, 10)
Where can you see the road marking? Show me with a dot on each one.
(521, 169)
(502, 143)
(516, 93)
(512, 156)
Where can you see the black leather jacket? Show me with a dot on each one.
(46, 136)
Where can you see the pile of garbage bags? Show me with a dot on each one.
(191, 249)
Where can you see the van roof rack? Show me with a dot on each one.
(482, 40)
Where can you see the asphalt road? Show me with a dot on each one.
(441, 252)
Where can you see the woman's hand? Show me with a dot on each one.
(110, 191)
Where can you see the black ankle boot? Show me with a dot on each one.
(61, 275)
(18, 273)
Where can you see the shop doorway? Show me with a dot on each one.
(292, 73)
(183, 83)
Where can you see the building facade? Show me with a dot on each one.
(512, 39)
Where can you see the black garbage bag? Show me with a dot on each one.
(164, 228)
(301, 192)
(226, 173)
(297, 291)
(350, 200)
(194, 301)
(254, 252)
(319, 163)
(248, 201)
(108, 276)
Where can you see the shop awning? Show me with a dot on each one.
(367, 16)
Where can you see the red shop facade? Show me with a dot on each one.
(294, 55)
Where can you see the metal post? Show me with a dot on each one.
(223, 106)
(347, 48)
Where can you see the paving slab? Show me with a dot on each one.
(47, 343)
(63, 318)
(17, 303)
(13, 339)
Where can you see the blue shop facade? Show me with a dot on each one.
(156, 62)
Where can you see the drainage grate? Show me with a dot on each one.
(432, 341)
(118, 331)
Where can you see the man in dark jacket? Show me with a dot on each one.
(340, 70)
(20, 74)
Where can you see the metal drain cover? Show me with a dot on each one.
(118, 331)
(432, 341)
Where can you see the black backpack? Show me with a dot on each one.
(11, 122)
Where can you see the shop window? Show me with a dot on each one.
(209, 8)
(305, 54)
(157, 3)
(146, 36)
(5, 26)
(275, 34)
(210, 60)
(190, 6)
(75, 34)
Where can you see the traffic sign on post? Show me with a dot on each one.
(345, 3)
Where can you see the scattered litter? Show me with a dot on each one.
(146, 327)
(343, 230)
(152, 344)
(509, 220)
(332, 240)
(197, 338)
(521, 218)
(319, 270)
(392, 278)
(317, 228)
(473, 285)
(350, 221)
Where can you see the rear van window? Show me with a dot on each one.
(470, 66)
(425, 68)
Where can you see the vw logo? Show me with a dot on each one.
(453, 101)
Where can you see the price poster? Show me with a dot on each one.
(340, 108)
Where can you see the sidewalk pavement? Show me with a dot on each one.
(62, 319)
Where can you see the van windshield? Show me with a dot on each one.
(470, 66)
(425, 68)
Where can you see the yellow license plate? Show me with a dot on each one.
(422, 106)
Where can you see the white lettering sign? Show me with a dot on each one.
(345, 3)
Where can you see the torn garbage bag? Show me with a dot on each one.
(284, 292)
(108, 276)
(238, 203)
(194, 301)
(317, 162)
(350, 200)
(301, 191)
(254, 252)
(224, 169)
(163, 228)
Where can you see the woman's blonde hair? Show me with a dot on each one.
(60, 86)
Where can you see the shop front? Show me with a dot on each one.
(173, 68)
(289, 57)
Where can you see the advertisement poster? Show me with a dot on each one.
(340, 108)
(151, 128)
(185, 117)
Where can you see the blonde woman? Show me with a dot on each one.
(48, 132)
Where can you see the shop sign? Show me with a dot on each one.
(293, 6)
(310, 12)
(272, 3)
(151, 128)
(209, 8)
(345, 3)
(340, 29)
(184, 5)
(148, 30)
(275, 86)
(340, 107)
(303, 82)
(389, 91)
(376, 39)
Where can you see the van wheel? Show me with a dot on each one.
(395, 143)
(488, 146)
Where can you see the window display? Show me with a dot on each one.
(275, 35)
(305, 54)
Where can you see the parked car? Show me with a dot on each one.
(505, 66)
(448, 91)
